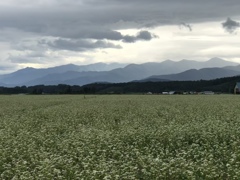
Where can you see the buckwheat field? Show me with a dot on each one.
(120, 137)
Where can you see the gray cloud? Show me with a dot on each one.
(82, 25)
(230, 25)
(28, 57)
(23, 60)
(99, 33)
(141, 36)
(185, 25)
(145, 35)
(100, 18)
(78, 45)
(30, 45)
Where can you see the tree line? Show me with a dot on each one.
(221, 85)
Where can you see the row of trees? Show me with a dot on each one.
(42, 89)
(222, 85)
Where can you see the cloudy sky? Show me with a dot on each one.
(44, 33)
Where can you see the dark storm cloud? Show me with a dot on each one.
(230, 25)
(78, 45)
(91, 24)
(141, 36)
(101, 34)
(145, 35)
(96, 18)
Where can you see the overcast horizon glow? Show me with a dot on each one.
(45, 33)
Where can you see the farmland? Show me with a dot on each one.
(119, 137)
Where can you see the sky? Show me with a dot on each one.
(46, 33)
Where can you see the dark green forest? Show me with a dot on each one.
(221, 85)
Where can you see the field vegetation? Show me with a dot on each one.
(119, 137)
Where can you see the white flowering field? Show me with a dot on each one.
(120, 137)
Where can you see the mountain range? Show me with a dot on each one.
(23, 76)
(194, 75)
(116, 72)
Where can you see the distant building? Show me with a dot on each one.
(208, 92)
(171, 92)
(237, 88)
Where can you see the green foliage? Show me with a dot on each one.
(119, 137)
(222, 85)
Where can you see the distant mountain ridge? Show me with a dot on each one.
(194, 75)
(22, 76)
(114, 73)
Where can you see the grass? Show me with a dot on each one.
(120, 137)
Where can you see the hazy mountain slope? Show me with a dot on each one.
(218, 62)
(235, 68)
(193, 74)
(60, 78)
(151, 79)
(80, 75)
(116, 76)
(170, 67)
(81, 78)
(31, 74)
(2, 85)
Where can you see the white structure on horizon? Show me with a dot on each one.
(208, 92)
(237, 88)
